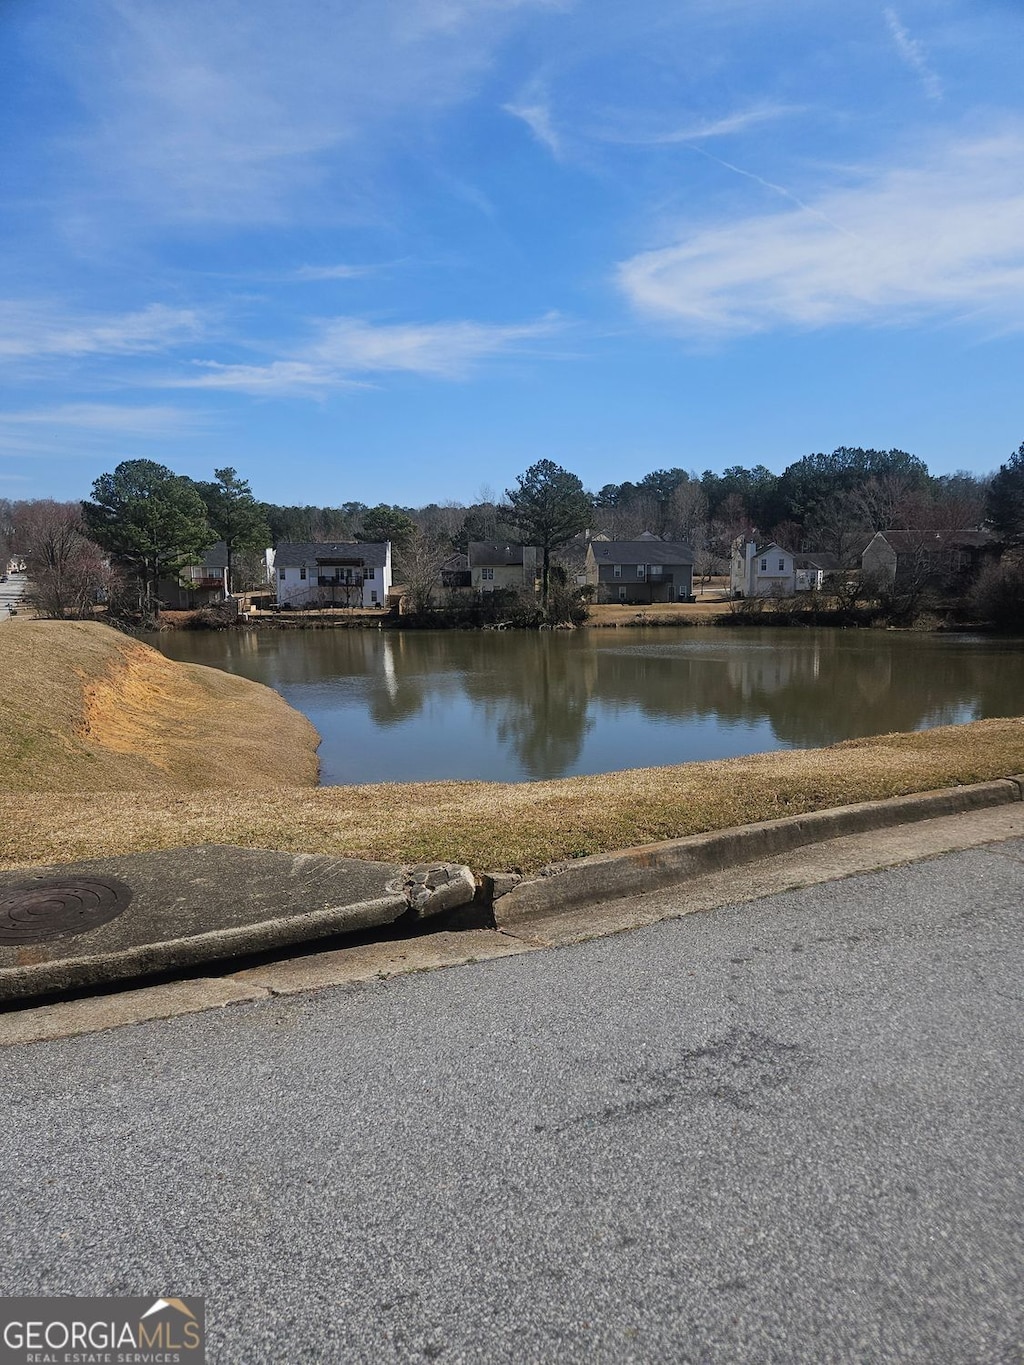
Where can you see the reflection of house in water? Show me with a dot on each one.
(390, 676)
(755, 671)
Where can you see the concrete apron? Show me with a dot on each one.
(84, 924)
(586, 899)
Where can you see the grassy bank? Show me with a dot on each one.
(85, 709)
(117, 750)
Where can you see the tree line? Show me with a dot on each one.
(145, 523)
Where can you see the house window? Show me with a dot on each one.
(655, 570)
(281, 572)
(302, 575)
(369, 572)
(616, 570)
(640, 570)
(782, 566)
(622, 594)
(373, 595)
(764, 566)
(486, 573)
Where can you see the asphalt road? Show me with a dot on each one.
(789, 1131)
(11, 593)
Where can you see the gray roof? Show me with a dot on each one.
(818, 559)
(641, 552)
(902, 541)
(293, 554)
(215, 556)
(486, 552)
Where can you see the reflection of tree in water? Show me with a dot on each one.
(815, 687)
(537, 699)
(534, 691)
(532, 688)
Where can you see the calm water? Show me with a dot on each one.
(511, 706)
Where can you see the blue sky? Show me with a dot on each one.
(398, 250)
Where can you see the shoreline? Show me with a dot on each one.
(928, 623)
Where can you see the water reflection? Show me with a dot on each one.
(394, 706)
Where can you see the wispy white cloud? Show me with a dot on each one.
(945, 239)
(106, 418)
(314, 273)
(727, 124)
(277, 378)
(33, 330)
(246, 110)
(537, 117)
(913, 53)
(348, 351)
(83, 430)
(444, 350)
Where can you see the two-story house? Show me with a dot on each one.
(640, 571)
(761, 569)
(333, 574)
(199, 584)
(948, 558)
(502, 566)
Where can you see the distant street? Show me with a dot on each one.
(11, 593)
(789, 1131)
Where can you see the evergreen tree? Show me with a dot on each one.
(549, 507)
(151, 519)
(235, 515)
(1005, 502)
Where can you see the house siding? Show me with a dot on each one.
(673, 583)
(333, 575)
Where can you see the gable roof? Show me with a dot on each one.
(501, 555)
(909, 541)
(292, 554)
(818, 559)
(215, 556)
(641, 552)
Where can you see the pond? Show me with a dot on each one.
(508, 706)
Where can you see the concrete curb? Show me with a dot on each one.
(428, 889)
(43, 978)
(223, 903)
(652, 867)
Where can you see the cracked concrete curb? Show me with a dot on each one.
(187, 907)
(432, 888)
(562, 894)
(652, 867)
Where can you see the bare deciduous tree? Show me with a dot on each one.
(67, 571)
(419, 567)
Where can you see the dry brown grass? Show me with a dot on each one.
(491, 825)
(85, 709)
(658, 613)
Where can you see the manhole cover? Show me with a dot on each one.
(58, 909)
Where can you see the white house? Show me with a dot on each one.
(333, 574)
(762, 569)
